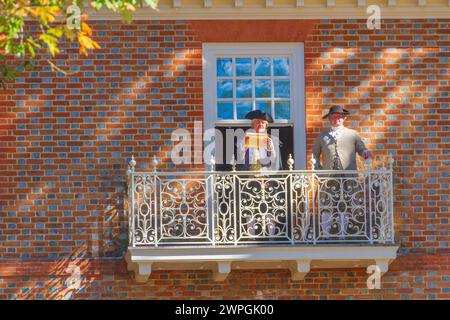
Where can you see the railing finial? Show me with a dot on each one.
(132, 163)
(313, 161)
(368, 162)
(290, 162)
(212, 161)
(390, 162)
(154, 163)
(383, 164)
(233, 163)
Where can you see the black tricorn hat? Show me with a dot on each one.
(336, 109)
(258, 114)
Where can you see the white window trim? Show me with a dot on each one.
(294, 50)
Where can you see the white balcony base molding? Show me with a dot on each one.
(221, 260)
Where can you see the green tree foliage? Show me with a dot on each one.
(19, 44)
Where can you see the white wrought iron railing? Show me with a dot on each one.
(246, 207)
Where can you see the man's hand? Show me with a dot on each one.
(269, 144)
(367, 154)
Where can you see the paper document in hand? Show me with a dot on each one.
(256, 140)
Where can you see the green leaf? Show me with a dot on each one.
(127, 16)
(152, 3)
(57, 32)
(28, 65)
(30, 49)
(51, 42)
(9, 73)
(96, 5)
(34, 43)
(110, 5)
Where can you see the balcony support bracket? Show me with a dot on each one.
(383, 264)
(221, 270)
(142, 271)
(299, 269)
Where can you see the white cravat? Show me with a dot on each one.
(335, 132)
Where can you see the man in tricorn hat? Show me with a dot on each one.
(257, 150)
(338, 146)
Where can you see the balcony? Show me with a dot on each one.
(291, 219)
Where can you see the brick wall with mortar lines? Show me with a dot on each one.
(65, 142)
(419, 277)
(72, 136)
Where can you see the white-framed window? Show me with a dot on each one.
(241, 77)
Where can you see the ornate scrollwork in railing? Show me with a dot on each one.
(303, 228)
(262, 210)
(183, 211)
(232, 208)
(224, 231)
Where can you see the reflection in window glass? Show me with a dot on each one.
(265, 106)
(244, 88)
(225, 110)
(224, 88)
(224, 67)
(280, 67)
(282, 88)
(243, 67)
(242, 108)
(260, 82)
(262, 67)
(262, 88)
(282, 110)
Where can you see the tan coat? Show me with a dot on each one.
(349, 143)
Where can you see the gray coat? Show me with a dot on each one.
(349, 143)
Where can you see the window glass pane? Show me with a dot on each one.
(224, 67)
(224, 88)
(262, 66)
(225, 110)
(282, 110)
(243, 67)
(282, 88)
(280, 66)
(264, 106)
(244, 88)
(242, 108)
(262, 88)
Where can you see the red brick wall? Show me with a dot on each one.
(65, 142)
(409, 277)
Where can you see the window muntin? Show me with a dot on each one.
(245, 83)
